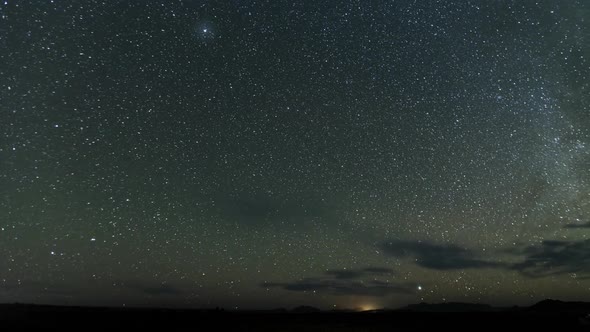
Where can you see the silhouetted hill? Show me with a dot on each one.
(305, 309)
(556, 306)
(549, 314)
(547, 306)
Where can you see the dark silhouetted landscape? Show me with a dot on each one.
(552, 314)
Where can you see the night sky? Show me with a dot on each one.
(269, 153)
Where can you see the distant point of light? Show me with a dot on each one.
(419, 287)
(204, 31)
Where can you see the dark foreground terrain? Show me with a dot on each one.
(556, 315)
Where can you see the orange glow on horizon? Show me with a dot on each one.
(367, 307)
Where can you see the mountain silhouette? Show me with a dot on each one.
(305, 309)
(556, 306)
(547, 314)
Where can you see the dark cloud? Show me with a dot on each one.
(435, 256)
(355, 274)
(344, 274)
(378, 270)
(547, 259)
(348, 282)
(584, 225)
(555, 258)
(345, 287)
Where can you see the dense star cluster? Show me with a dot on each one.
(262, 153)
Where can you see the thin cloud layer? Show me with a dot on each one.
(348, 282)
(435, 256)
(556, 258)
(584, 225)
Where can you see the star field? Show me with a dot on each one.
(260, 154)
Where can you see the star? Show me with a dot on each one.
(205, 32)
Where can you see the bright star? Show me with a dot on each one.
(204, 31)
